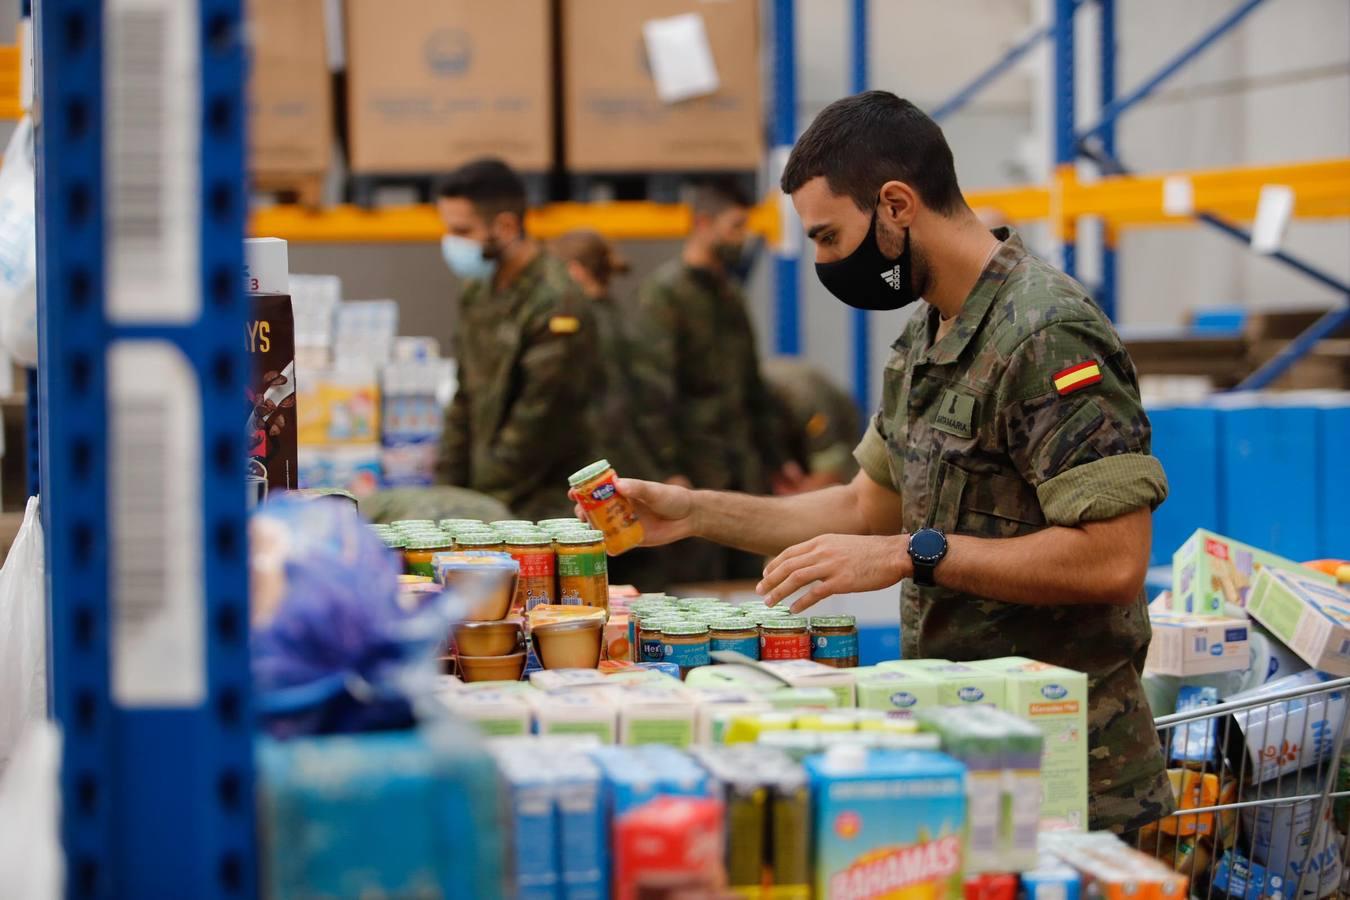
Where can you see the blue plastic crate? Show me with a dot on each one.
(1186, 441)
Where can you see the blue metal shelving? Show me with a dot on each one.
(157, 771)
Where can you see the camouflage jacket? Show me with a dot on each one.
(821, 422)
(976, 437)
(722, 424)
(526, 366)
(629, 429)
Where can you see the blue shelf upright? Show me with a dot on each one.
(141, 321)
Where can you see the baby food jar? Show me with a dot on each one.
(583, 570)
(686, 644)
(420, 549)
(480, 542)
(650, 646)
(784, 637)
(538, 569)
(738, 634)
(397, 542)
(606, 509)
(834, 641)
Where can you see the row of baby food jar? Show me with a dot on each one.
(562, 561)
(686, 631)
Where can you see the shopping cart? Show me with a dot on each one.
(1260, 811)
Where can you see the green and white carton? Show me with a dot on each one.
(1210, 570)
(959, 684)
(1310, 617)
(894, 691)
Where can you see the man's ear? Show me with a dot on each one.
(578, 273)
(506, 227)
(899, 203)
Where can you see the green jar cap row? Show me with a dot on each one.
(394, 541)
(784, 623)
(528, 540)
(480, 541)
(738, 623)
(428, 542)
(678, 629)
(582, 536)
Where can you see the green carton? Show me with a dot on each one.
(958, 684)
(1210, 570)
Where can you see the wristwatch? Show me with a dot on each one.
(927, 548)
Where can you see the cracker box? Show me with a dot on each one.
(887, 823)
(1055, 700)
(1311, 617)
(958, 683)
(895, 692)
(1210, 570)
(1186, 645)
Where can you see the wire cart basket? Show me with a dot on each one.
(1263, 804)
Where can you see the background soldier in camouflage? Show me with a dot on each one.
(1010, 421)
(437, 502)
(629, 429)
(818, 420)
(525, 348)
(720, 418)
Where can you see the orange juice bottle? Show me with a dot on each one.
(607, 510)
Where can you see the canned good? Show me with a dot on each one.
(686, 644)
(834, 641)
(420, 550)
(583, 569)
(784, 637)
(538, 570)
(607, 509)
(738, 634)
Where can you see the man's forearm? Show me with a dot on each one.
(768, 525)
(1096, 563)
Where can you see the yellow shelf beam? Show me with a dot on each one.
(1321, 190)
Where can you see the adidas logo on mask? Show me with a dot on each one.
(892, 278)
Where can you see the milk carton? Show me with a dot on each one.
(959, 684)
(496, 713)
(574, 712)
(887, 823)
(1185, 645)
(1055, 700)
(895, 691)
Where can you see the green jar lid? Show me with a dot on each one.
(528, 540)
(583, 536)
(833, 622)
(772, 611)
(470, 532)
(428, 542)
(479, 541)
(677, 629)
(512, 523)
(544, 523)
(784, 623)
(460, 523)
(407, 523)
(701, 600)
(739, 623)
(394, 541)
(581, 476)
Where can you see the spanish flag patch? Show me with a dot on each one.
(1075, 377)
(564, 324)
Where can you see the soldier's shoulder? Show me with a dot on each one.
(553, 291)
(1038, 299)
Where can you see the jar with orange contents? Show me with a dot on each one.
(606, 508)
(537, 570)
(583, 570)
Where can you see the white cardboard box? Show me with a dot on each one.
(573, 713)
(1197, 645)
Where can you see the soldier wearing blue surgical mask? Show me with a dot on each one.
(524, 345)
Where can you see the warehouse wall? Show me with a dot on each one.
(1276, 89)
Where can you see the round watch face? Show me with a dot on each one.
(926, 544)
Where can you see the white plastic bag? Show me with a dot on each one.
(18, 247)
(23, 634)
(32, 865)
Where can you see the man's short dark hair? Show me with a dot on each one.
(490, 185)
(712, 197)
(861, 142)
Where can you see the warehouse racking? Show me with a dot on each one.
(157, 790)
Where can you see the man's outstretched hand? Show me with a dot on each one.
(835, 564)
(666, 510)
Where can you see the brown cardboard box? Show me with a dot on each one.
(432, 84)
(290, 128)
(614, 120)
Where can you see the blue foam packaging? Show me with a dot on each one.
(1186, 442)
(394, 813)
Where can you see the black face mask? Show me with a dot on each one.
(866, 279)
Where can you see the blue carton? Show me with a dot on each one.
(583, 832)
(397, 813)
(534, 829)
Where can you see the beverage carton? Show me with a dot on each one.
(654, 714)
(894, 691)
(1311, 617)
(574, 712)
(958, 683)
(1210, 570)
(887, 823)
(502, 713)
(1055, 700)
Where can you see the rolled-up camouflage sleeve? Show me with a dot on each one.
(873, 457)
(1084, 444)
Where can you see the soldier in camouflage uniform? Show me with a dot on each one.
(525, 349)
(1006, 479)
(436, 502)
(819, 421)
(629, 429)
